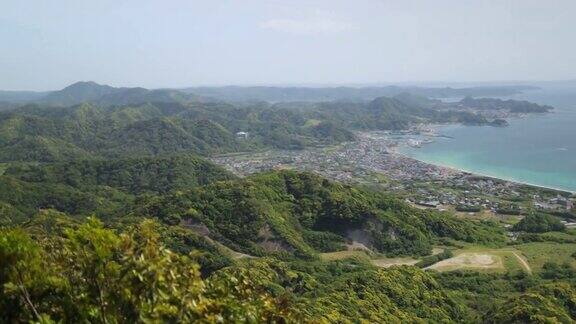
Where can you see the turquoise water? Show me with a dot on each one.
(538, 149)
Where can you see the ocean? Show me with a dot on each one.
(537, 149)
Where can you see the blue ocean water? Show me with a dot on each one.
(538, 149)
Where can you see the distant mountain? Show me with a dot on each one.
(82, 92)
(285, 94)
(92, 92)
(135, 122)
(416, 100)
(129, 96)
(77, 93)
(514, 106)
(89, 91)
(33, 133)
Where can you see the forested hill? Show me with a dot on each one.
(92, 92)
(89, 91)
(167, 257)
(276, 213)
(37, 132)
(132, 175)
(514, 106)
(367, 93)
(107, 188)
(88, 120)
(289, 213)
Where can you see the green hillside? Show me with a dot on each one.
(185, 241)
(166, 122)
(103, 187)
(289, 213)
(135, 176)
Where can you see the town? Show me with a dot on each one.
(374, 160)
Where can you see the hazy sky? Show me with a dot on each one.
(176, 43)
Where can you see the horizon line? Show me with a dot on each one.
(311, 85)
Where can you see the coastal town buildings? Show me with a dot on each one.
(375, 159)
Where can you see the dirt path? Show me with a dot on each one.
(523, 262)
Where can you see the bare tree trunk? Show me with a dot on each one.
(26, 296)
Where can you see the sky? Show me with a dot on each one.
(48, 44)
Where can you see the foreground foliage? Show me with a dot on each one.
(92, 274)
(55, 269)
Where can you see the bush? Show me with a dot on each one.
(539, 223)
(430, 260)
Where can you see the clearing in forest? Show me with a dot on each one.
(471, 261)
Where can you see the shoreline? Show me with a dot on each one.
(462, 170)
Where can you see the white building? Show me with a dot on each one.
(242, 135)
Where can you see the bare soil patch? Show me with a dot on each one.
(470, 260)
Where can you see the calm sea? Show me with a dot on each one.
(539, 149)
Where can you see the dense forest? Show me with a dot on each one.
(169, 259)
(289, 213)
(110, 213)
(58, 270)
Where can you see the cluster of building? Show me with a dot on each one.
(555, 203)
(377, 153)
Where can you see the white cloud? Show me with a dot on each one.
(314, 25)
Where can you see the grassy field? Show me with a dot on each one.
(374, 259)
(388, 262)
(471, 261)
(567, 237)
(339, 255)
(484, 260)
(538, 253)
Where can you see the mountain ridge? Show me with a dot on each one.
(91, 91)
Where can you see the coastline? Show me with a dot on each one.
(462, 170)
(433, 132)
